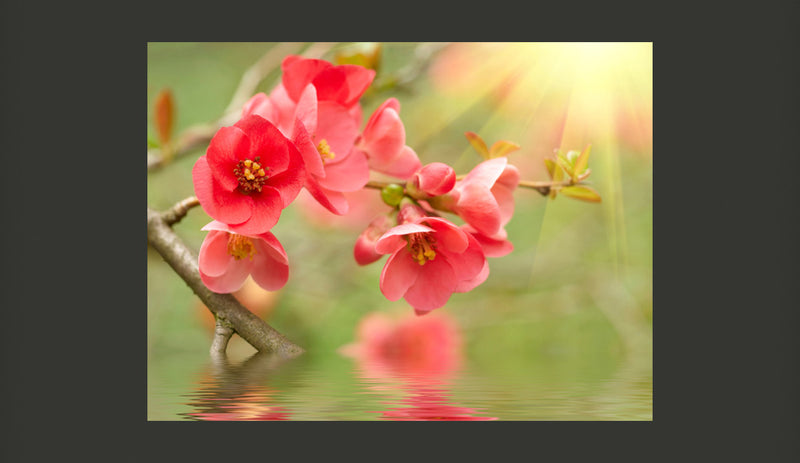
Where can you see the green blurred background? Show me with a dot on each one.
(572, 303)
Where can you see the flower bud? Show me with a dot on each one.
(392, 194)
(364, 250)
(433, 179)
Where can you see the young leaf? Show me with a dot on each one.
(582, 192)
(551, 167)
(164, 115)
(583, 160)
(502, 148)
(566, 165)
(477, 142)
(558, 174)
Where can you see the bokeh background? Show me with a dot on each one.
(565, 321)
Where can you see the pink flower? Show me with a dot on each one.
(364, 249)
(485, 197)
(227, 258)
(433, 179)
(323, 124)
(384, 142)
(248, 175)
(431, 258)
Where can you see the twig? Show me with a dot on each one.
(179, 210)
(224, 306)
(222, 334)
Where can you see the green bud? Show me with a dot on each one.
(392, 194)
(572, 156)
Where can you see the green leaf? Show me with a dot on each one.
(583, 160)
(558, 173)
(502, 148)
(566, 165)
(477, 142)
(582, 192)
(151, 143)
(551, 167)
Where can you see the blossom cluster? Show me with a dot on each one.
(307, 134)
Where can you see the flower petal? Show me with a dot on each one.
(478, 207)
(265, 209)
(265, 141)
(385, 137)
(260, 104)
(448, 234)
(493, 246)
(270, 268)
(358, 80)
(486, 173)
(389, 103)
(306, 109)
(349, 175)
(434, 285)
(337, 127)
(289, 182)
(333, 201)
(226, 148)
(403, 165)
(470, 284)
(231, 280)
(391, 240)
(284, 109)
(223, 205)
(214, 258)
(469, 264)
(398, 274)
(299, 72)
(307, 149)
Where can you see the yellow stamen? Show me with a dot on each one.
(324, 150)
(251, 175)
(422, 247)
(240, 247)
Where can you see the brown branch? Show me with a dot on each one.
(379, 185)
(224, 306)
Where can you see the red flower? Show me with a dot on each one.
(226, 259)
(343, 84)
(323, 123)
(384, 142)
(431, 258)
(248, 175)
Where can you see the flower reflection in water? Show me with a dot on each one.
(238, 392)
(419, 355)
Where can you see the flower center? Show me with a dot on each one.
(422, 247)
(251, 175)
(240, 246)
(324, 150)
